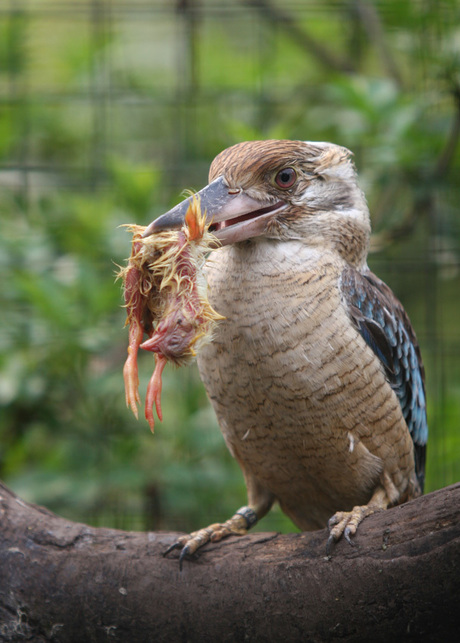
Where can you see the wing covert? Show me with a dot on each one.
(385, 326)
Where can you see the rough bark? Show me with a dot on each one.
(62, 581)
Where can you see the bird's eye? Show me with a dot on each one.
(286, 178)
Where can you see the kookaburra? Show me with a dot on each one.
(315, 374)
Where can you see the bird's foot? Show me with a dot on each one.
(237, 525)
(345, 523)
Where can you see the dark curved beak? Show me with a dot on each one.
(234, 215)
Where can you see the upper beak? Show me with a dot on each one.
(233, 215)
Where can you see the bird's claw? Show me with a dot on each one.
(183, 555)
(347, 535)
(329, 545)
(185, 552)
(189, 544)
(171, 548)
(237, 525)
(345, 523)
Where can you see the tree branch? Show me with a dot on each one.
(448, 152)
(372, 24)
(299, 35)
(64, 581)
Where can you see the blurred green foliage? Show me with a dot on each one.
(108, 110)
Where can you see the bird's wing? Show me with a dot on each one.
(385, 326)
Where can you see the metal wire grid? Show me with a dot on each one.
(120, 111)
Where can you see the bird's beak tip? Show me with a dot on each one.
(150, 229)
(212, 198)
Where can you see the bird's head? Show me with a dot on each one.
(283, 190)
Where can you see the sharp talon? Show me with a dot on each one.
(171, 548)
(347, 534)
(183, 555)
(237, 525)
(330, 544)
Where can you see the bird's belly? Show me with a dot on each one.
(297, 392)
(309, 456)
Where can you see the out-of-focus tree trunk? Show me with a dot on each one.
(62, 581)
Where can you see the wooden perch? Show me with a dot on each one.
(62, 581)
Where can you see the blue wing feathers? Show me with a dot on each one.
(385, 327)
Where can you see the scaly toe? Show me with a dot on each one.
(334, 520)
(339, 525)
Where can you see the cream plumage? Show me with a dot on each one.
(315, 374)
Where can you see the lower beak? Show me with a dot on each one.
(232, 214)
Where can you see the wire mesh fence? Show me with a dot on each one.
(108, 110)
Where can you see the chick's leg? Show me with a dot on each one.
(154, 392)
(130, 371)
(260, 502)
(135, 307)
(345, 523)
